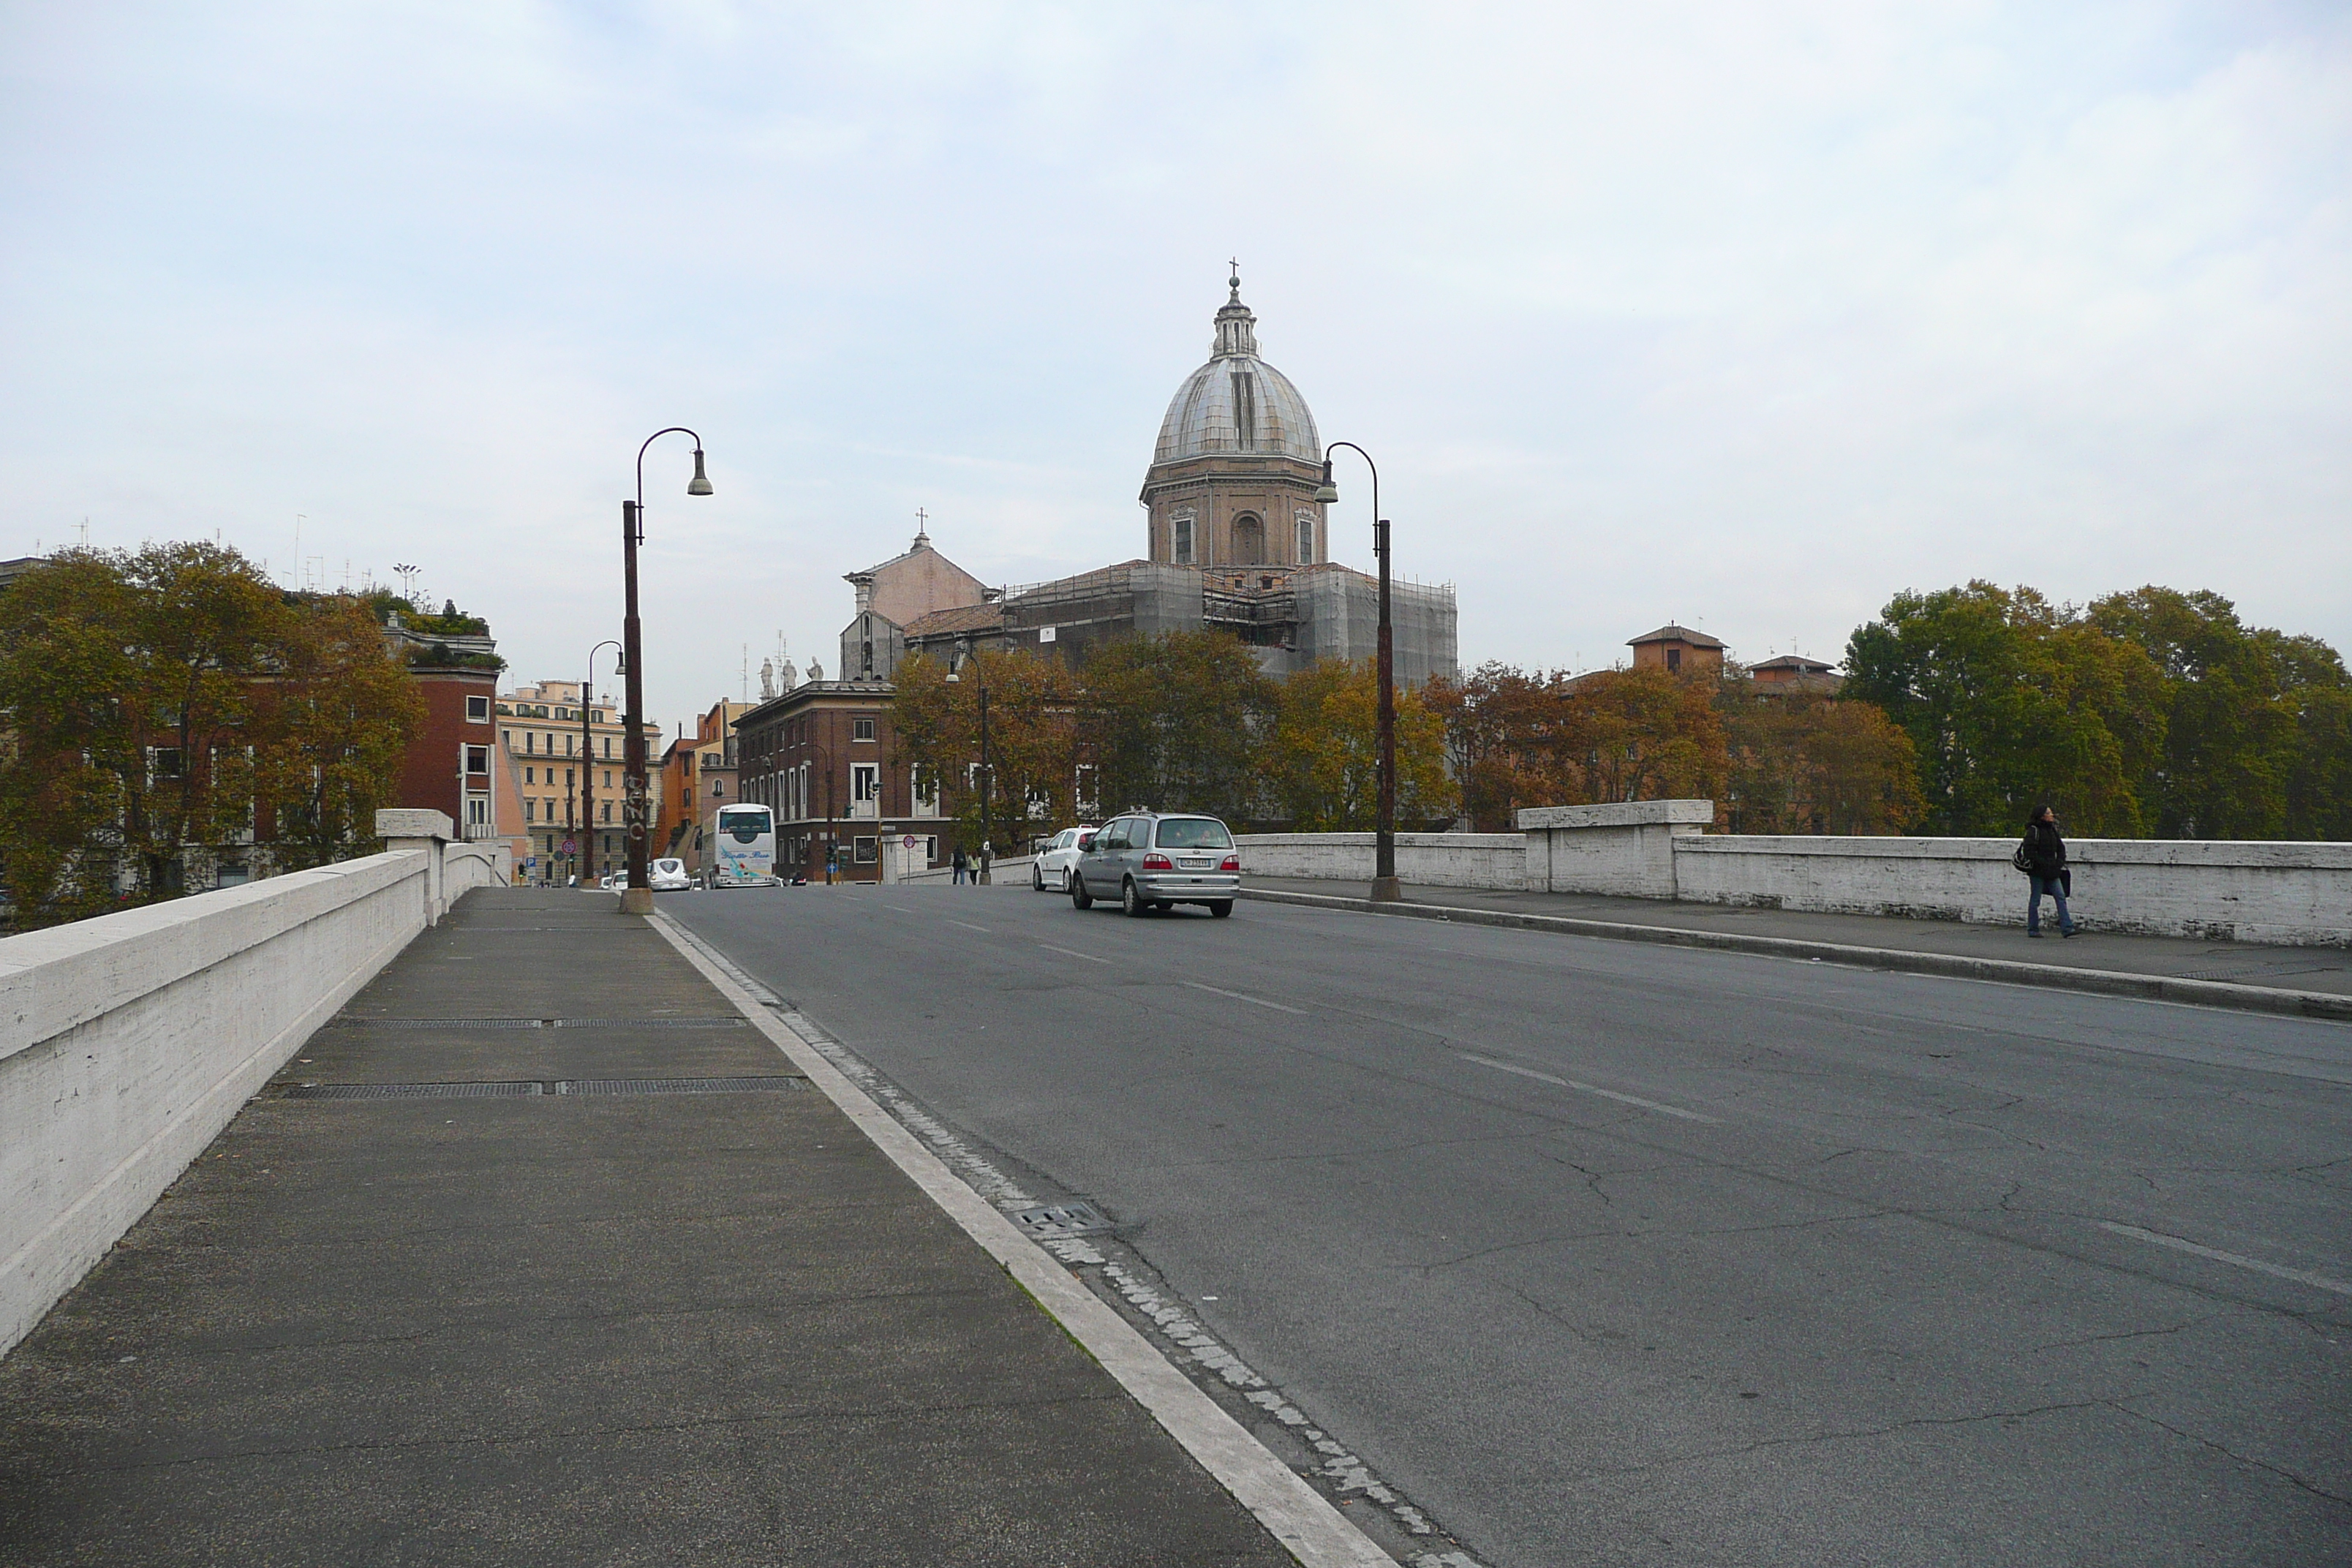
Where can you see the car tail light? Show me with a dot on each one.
(1231, 863)
(1155, 861)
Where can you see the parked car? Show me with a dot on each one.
(1152, 861)
(668, 876)
(1055, 857)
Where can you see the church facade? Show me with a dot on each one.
(1234, 540)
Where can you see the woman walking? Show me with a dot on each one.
(2042, 857)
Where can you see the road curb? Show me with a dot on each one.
(1299, 1519)
(2317, 1005)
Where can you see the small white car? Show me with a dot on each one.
(668, 876)
(1051, 869)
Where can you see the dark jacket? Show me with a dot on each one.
(2044, 852)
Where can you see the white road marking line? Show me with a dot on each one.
(1591, 1089)
(1306, 1522)
(968, 926)
(1072, 952)
(1257, 1001)
(2299, 1276)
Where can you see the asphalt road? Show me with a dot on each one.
(1608, 1253)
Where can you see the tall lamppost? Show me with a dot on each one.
(638, 897)
(588, 750)
(980, 676)
(1385, 889)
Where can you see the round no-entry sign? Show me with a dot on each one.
(907, 842)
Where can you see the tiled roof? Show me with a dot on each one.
(958, 618)
(1670, 632)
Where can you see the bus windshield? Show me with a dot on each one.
(743, 824)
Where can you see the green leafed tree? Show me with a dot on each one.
(2252, 720)
(172, 704)
(1032, 740)
(1175, 723)
(2010, 701)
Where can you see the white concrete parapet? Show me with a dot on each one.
(1625, 847)
(127, 1042)
(1429, 860)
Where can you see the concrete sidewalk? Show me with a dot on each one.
(2174, 968)
(541, 1255)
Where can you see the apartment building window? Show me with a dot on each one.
(608, 811)
(608, 745)
(477, 710)
(867, 850)
(477, 762)
(925, 796)
(862, 729)
(506, 738)
(865, 787)
(530, 743)
(567, 745)
(530, 809)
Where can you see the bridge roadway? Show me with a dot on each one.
(1601, 1252)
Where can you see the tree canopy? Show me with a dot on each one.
(171, 703)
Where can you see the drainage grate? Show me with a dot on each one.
(346, 1021)
(681, 1085)
(648, 1023)
(1050, 1221)
(414, 1091)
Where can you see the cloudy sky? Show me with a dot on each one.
(1748, 316)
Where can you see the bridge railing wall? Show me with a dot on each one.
(127, 1042)
(2295, 894)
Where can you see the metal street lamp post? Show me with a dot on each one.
(980, 676)
(637, 899)
(1385, 888)
(588, 750)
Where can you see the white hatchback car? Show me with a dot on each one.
(670, 876)
(1051, 869)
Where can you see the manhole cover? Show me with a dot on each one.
(1048, 1221)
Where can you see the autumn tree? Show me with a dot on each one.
(1322, 752)
(1808, 763)
(337, 715)
(1032, 738)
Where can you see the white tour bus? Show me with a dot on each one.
(743, 840)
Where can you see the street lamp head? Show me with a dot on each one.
(1329, 493)
(700, 484)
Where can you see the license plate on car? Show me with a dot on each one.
(1195, 863)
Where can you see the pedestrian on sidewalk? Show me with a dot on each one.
(962, 866)
(2042, 857)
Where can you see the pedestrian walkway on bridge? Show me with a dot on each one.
(2322, 970)
(540, 1254)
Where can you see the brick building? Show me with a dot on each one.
(820, 756)
(1677, 648)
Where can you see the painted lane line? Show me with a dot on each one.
(1307, 1523)
(968, 926)
(1591, 1089)
(1254, 1001)
(1072, 952)
(2301, 1277)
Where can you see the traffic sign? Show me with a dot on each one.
(570, 847)
(908, 841)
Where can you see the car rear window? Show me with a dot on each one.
(1195, 833)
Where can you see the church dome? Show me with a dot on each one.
(1238, 405)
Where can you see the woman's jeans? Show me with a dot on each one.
(2056, 889)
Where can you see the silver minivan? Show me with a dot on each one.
(1150, 861)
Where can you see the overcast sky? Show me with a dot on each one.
(1747, 316)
